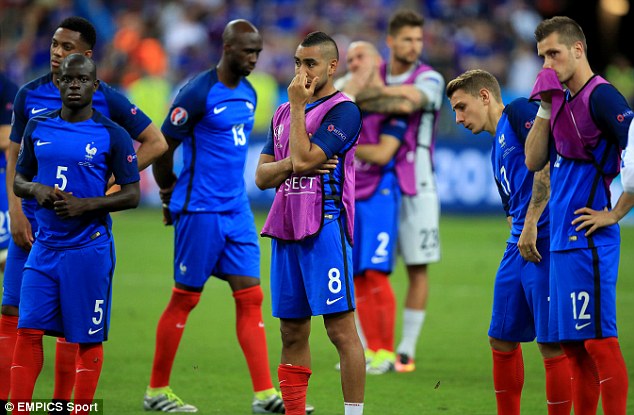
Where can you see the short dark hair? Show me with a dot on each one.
(320, 38)
(404, 18)
(569, 31)
(83, 27)
(79, 59)
(472, 82)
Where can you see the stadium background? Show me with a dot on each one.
(149, 48)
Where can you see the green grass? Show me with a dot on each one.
(453, 373)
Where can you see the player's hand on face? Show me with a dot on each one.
(528, 244)
(298, 93)
(591, 219)
(68, 206)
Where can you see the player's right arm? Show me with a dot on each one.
(536, 146)
(540, 195)
(392, 134)
(20, 226)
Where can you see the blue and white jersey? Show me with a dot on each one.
(213, 122)
(41, 96)
(78, 158)
(514, 180)
(7, 94)
(576, 184)
(346, 118)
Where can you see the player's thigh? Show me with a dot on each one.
(586, 291)
(86, 292)
(375, 233)
(40, 305)
(419, 234)
(536, 283)
(198, 244)
(511, 319)
(241, 255)
(288, 294)
(326, 265)
(13, 274)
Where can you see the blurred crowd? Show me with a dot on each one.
(149, 48)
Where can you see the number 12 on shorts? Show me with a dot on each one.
(580, 303)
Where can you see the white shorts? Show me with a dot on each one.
(419, 234)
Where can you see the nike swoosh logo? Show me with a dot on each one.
(219, 110)
(42, 143)
(83, 369)
(331, 302)
(180, 326)
(580, 326)
(604, 380)
(91, 331)
(37, 111)
(556, 403)
(502, 391)
(16, 367)
(378, 260)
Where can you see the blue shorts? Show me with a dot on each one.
(583, 292)
(376, 228)
(520, 299)
(219, 244)
(12, 283)
(314, 276)
(68, 292)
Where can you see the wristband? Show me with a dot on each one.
(544, 112)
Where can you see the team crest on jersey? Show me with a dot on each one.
(179, 116)
(90, 151)
(277, 133)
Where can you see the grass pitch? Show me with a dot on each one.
(453, 375)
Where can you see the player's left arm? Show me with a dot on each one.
(392, 134)
(614, 116)
(540, 195)
(137, 124)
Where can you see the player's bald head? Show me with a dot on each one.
(236, 28)
(326, 44)
(76, 60)
(366, 47)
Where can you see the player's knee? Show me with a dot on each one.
(10, 310)
(550, 350)
(502, 345)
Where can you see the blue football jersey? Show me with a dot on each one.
(514, 180)
(78, 158)
(576, 184)
(41, 96)
(213, 123)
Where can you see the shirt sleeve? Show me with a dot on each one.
(432, 84)
(627, 167)
(268, 145)
(504, 197)
(7, 95)
(123, 158)
(611, 112)
(521, 114)
(27, 163)
(125, 113)
(395, 127)
(20, 118)
(339, 129)
(188, 108)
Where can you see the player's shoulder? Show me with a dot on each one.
(426, 72)
(109, 91)
(521, 104)
(107, 123)
(36, 83)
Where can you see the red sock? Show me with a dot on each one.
(65, 367)
(8, 336)
(385, 304)
(293, 384)
(366, 312)
(28, 359)
(558, 385)
(89, 362)
(508, 380)
(169, 333)
(252, 337)
(585, 379)
(606, 354)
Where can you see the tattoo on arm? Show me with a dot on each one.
(541, 189)
(387, 105)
